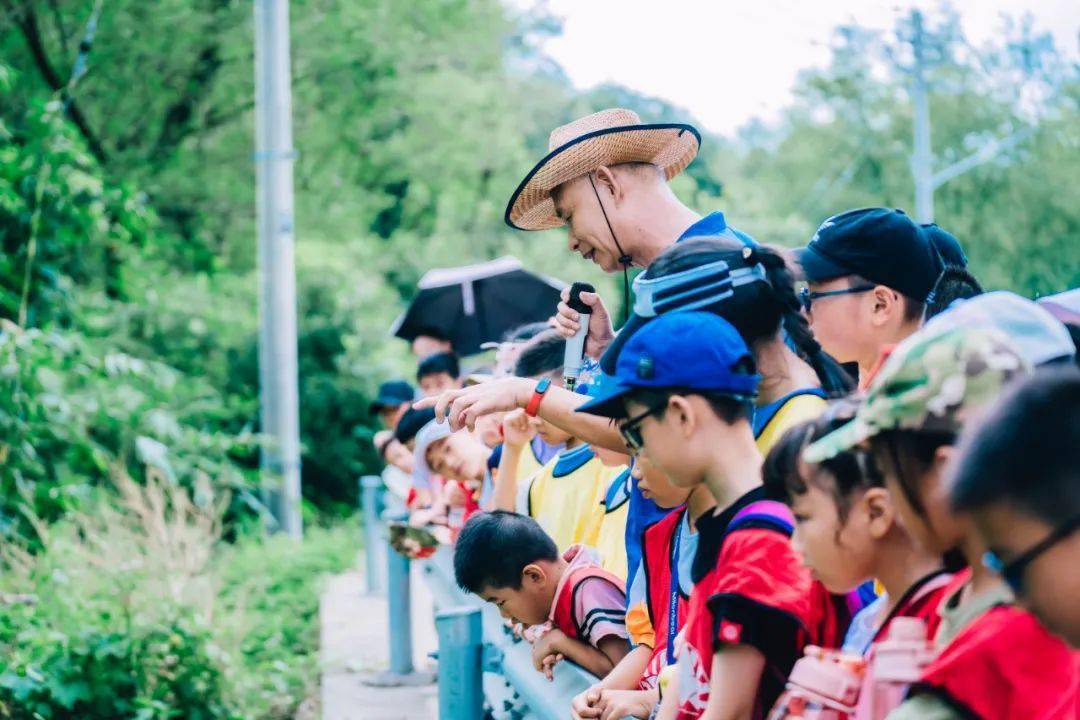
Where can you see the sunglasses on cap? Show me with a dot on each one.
(1012, 572)
(695, 288)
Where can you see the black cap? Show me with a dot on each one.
(946, 244)
(391, 394)
(411, 423)
(884, 246)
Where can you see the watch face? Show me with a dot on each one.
(543, 385)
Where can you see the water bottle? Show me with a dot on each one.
(823, 685)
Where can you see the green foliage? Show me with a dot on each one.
(71, 412)
(134, 609)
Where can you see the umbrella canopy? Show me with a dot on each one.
(475, 304)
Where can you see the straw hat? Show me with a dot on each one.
(607, 138)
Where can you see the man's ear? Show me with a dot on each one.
(681, 412)
(880, 511)
(532, 575)
(886, 304)
(608, 180)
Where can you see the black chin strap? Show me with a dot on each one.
(624, 259)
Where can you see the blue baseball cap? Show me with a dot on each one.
(691, 351)
(392, 394)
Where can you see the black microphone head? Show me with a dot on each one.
(575, 301)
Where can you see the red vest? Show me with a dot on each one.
(1005, 665)
(756, 566)
(564, 604)
(656, 561)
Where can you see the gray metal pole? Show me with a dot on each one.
(371, 487)
(461, 677)
(922, 156)
(279, 403)
(399, 603)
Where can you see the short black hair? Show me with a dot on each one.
(850, 471)
(543, 355)
(494, 547)
(1026, 450)
(954, 283)
(727, 408)
(411, 422)
(446, 362)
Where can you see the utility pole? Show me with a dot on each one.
(922, 155)
(278, 394)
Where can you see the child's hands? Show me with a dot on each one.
(548, 666)
(586, 705)
(517, 430)
(549, 644)
(619, 704)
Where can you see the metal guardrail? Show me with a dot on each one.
(479, 657)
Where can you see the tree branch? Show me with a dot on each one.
(28, 26)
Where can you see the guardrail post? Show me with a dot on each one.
(399, 602)
(461, 642)
(371, 490)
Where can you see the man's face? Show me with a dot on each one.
(1050, 584)
(528, 605)
(587, 232)
(460, 456)
(841, 323)
(424, 346)
(437, 383)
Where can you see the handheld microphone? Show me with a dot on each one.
(575, 346)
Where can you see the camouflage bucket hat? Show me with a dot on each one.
(931, 383)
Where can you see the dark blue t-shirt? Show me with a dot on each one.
(641, 514)
(712, 225)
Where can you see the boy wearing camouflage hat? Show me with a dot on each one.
(995, 660)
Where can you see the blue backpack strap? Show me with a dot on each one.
(768, 514)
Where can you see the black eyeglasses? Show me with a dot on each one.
(1013, 571)
(806, 297)
(631, 428)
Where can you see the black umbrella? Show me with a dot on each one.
(475, 304)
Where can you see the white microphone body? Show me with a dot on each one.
(575, 351)
(575, 345)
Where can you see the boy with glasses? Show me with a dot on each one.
(683, 395)
(1019, 477)
(869, 273)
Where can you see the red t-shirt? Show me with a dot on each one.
(751, 587)
(1005, 666)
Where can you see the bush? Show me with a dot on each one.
(138, 610)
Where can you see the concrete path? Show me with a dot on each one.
(354, 644)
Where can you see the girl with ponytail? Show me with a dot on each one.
(751, 287)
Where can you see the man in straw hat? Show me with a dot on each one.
(605, 178)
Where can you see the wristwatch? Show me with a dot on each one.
(537, 396)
